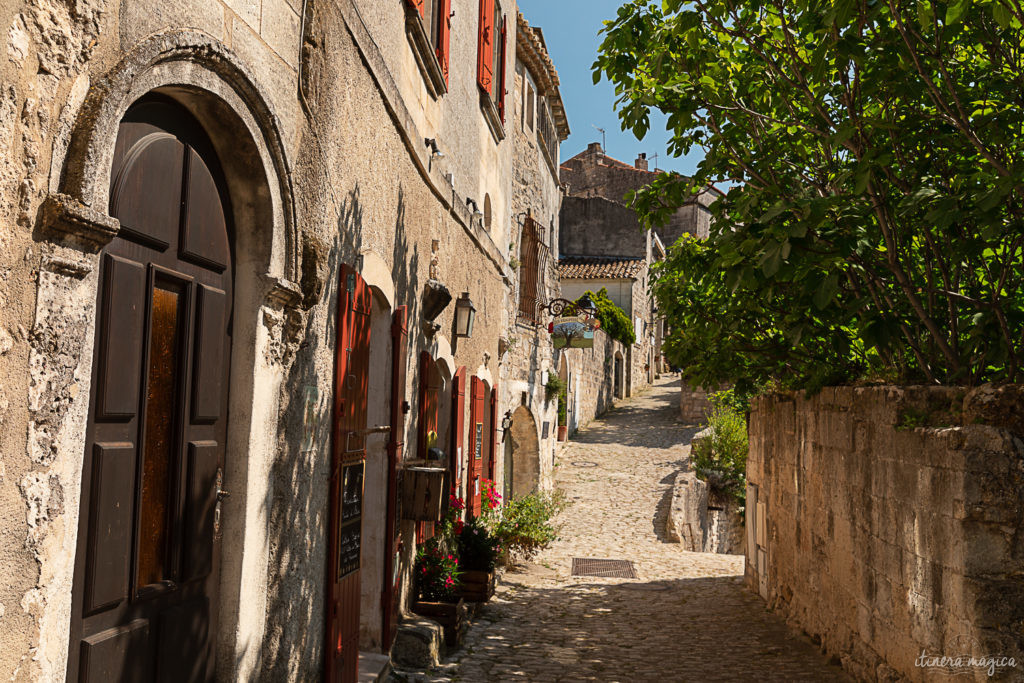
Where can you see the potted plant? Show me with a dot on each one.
(478, 555)
(563, 415)
(439, 577)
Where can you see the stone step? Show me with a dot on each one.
(374, 667)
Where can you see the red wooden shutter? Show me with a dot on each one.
(348, 453)
(444, 32)
(493, 445)
(485, 47)
(501, 76)
(393, 546)
(418, 6)
(476, 446)
(458, 425)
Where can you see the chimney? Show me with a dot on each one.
(641, 161)
(595, 148)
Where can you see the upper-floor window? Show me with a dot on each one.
(429, 26)
(529, 104)
(546, 130)
(498, 59)
(492, 42)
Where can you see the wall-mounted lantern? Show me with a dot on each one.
(506, 425)
(465, 316)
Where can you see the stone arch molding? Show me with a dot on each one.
(208, 78)
(211, 81)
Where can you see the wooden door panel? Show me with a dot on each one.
(121, 333)
(113, 477)
(204, 233)
(147, 190)
(183, 652)
(203, 464)
(208, 374)
(396, 443)
(118, 654)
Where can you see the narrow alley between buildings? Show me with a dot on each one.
(686, 617)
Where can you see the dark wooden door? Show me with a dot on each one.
(393, 543)
(458, 426)
(348, 457)
(144, 602)
(427, 422)
(477, 441)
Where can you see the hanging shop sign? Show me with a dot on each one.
(573, 332)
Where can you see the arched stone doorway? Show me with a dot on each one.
(619, 388)
(524, 474)
(208, 82)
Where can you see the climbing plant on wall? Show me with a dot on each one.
(875, 223)
(613, 319)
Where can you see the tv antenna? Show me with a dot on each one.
(604, 138)
(655, 161)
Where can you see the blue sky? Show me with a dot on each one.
(570, 28)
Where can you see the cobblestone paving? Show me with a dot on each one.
(687, 617)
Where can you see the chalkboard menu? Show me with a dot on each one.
(350, 531)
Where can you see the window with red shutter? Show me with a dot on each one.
(485, 47)
(417, 5)
(444, 32)
(428, 25)
(499, 64)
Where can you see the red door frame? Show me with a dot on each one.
(458, 426)
(396, 444)
(476, 445)
(493, 445)
(348, 457)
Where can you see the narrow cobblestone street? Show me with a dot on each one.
(686, 618)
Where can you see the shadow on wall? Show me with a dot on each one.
(297, 505)
(667, 628)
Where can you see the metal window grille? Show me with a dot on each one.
(531, 260)
(546, 132)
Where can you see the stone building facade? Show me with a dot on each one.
(348, 161)
(537, 128)
(592, 173)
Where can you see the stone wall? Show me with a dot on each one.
(593, 382)
(595, 226)
(885, 522)
(694, 405)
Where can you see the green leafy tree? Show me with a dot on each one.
(876, 156)
(613, 319)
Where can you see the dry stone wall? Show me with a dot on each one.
(887, 524)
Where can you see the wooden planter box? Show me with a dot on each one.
(451, 616)
(477, 586)
(423, 493)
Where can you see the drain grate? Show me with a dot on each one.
(584, 463)
(609, 569)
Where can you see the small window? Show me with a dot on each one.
(531, 103)
(498, 60)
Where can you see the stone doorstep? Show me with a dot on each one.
(373, 667)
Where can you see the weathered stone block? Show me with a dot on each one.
(419, 643)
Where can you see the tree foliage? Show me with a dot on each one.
(876, 151)
(613, 319)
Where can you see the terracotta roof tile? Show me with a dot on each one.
(588, 267)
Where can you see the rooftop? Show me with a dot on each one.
(599, 267)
